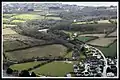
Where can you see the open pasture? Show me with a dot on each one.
(103, 21)
(8, 15)
(85, 38)
(13, 44)
(8, 31)
(18, 21)
(56, 68)
(26, 17)
(102, 41)
(54, 18)
(113, 33)
(40, 51)
(16, 41)
(110, 51)
(8, 26)
(25, 66)
(97, 35)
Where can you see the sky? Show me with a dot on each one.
(84, 3)
(93, 3)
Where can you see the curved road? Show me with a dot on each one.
(105, 60)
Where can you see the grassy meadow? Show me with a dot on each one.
(56, 68)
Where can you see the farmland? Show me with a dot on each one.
(113, 33)
(41, 51)
(5, 20)
(69, 55)
(103, 21)
(102, 41)
(16, 41)
(8, 31)
(17, 21)
(55, 18)
(85, 38)
(24, 66)
(110, 51)
(51, 39)
(92, 22)
(13, 44)
(56, 68)
(97, 35)
(8, 15)
(8, 26)
(26, 17)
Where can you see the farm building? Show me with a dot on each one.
(43, 30)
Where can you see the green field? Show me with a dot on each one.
(8, 31)
(27, 17)
(18, 21)
(69, 55)
(13, 44)
(24, 66)
(8, 25)
(22, 39)
(5, 20)
(110, 51)
(103, 21)
(8, 15)
(92, 22)
(84, 38)
(56, 68)
(41, 51)
(55, 18)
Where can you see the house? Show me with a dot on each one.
(110, 74)
(68, 75)
(75, 20)
(86, 73)
(75, 70)
(74, 35)
(43, 30)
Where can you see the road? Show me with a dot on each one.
(105, 60)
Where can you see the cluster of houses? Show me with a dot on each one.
(92, 66)
(111, 67)
(95, 65)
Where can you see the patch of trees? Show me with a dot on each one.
(53, 35)
(73, 27)
(89, 28)
(24, 73)
(60, 34)
(9, 71)
(113, 22)
(71, 15)
(33, 74)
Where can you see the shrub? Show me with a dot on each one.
(33, 74)
(24, 73)
(9, 71)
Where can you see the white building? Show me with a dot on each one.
(68, 75)
(43, 30)
(110, 74)
(74, 20)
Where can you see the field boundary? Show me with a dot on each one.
(110, 32)
(94, 37)
(29, 47)
(104, 46)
